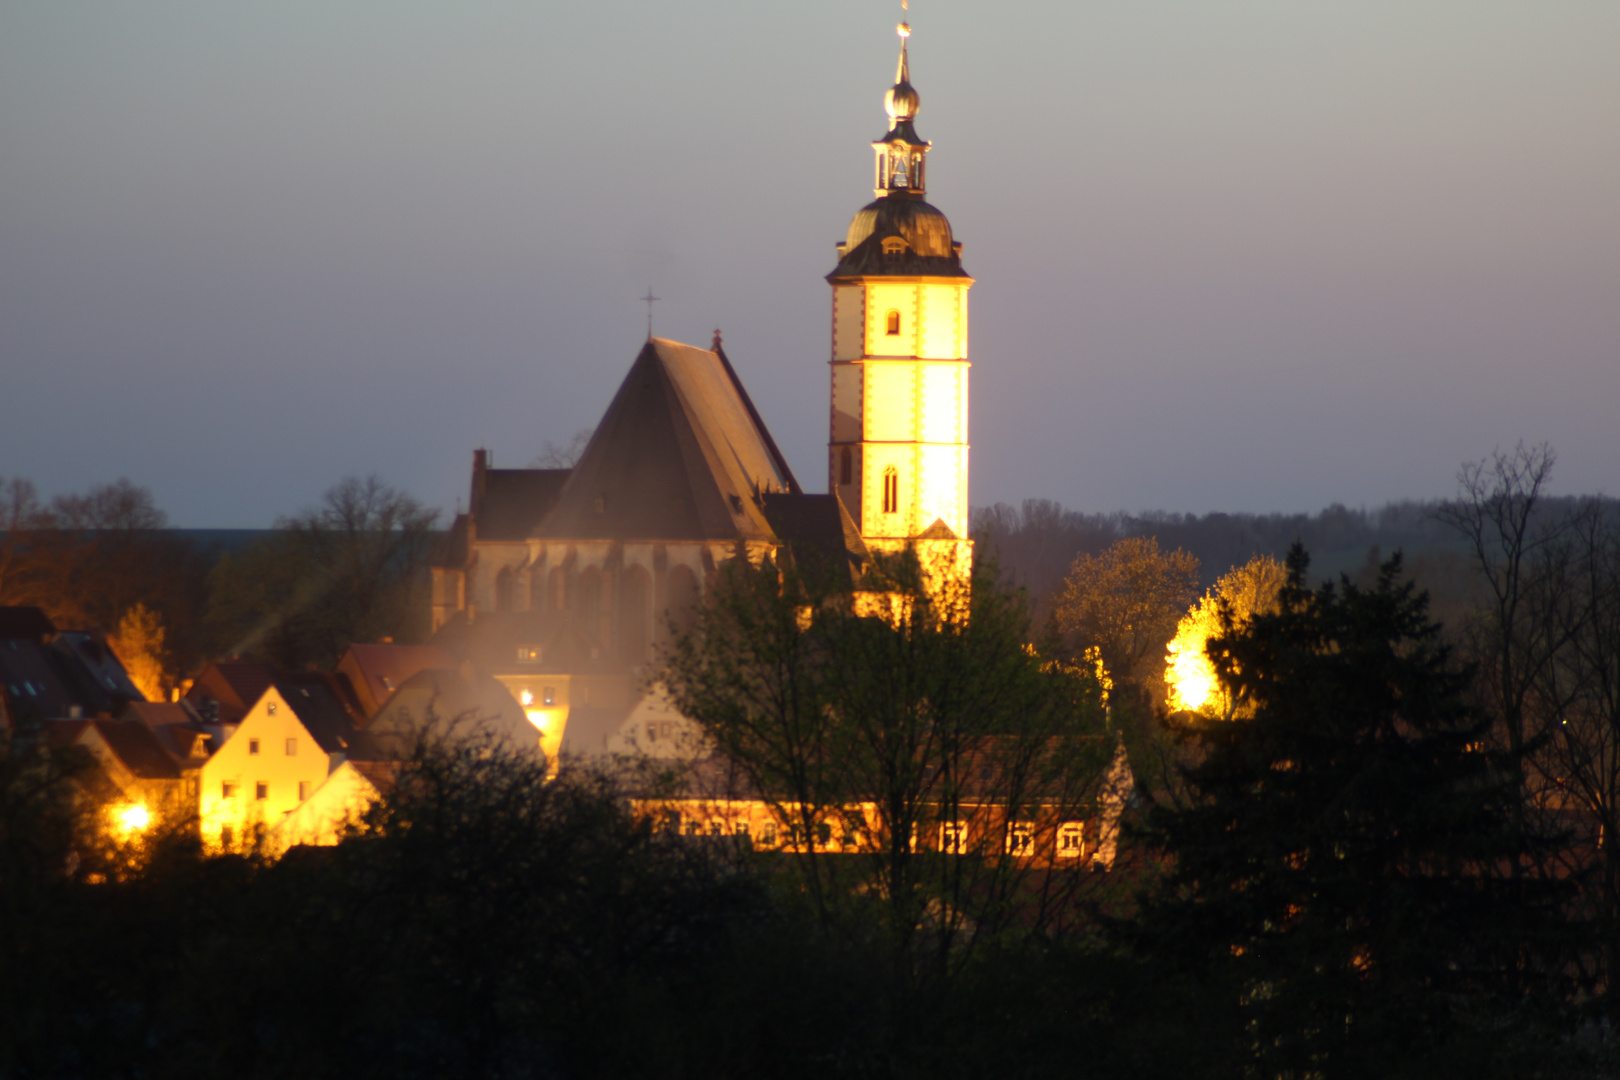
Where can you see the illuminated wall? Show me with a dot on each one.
(269, 752)
(900, 404)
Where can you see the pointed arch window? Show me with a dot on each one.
(891, 490)
(894, 324)
(846, 466)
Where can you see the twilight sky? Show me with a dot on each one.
(1231, 256)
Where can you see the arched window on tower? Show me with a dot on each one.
(894, 324)
(891, 490)
(846, 466)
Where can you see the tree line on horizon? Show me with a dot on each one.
(354, 566)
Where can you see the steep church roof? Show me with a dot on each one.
(680, 454)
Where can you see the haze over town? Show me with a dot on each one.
(1248, 256)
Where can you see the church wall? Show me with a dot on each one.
(890, 404)
(849, 322)
(490, 558)
(944, 403)
(943, 487)
(943, 333)
(882, 299)
(848, 392)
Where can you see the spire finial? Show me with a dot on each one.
(902, 70)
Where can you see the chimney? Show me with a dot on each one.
(480, 467)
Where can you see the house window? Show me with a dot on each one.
(292, 747)
(303, 790)
(528, 654)
(261, 791)
(891, 490)
(227, 790)
(1071, 842)
(741, 828)
(1020, 838)
(953, 837)
(894, 323)
(767, 834)
(846, 466)
(227, 836)
(253, 747)
(548, 696)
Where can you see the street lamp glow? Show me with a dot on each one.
(134, 818)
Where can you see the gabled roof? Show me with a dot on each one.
(680, 454)
(314, 697)
(177, 728)
(25, 623)
(438, 702)
(819, 533)
(102, 681)
(234, 684)
(376, 671)
(32, 683)
(134, 744)
(514, 501)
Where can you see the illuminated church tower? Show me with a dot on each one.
(898, 454)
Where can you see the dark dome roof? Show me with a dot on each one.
(929, 248)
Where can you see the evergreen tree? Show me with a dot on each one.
(1342, 868)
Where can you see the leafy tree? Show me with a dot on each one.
(1338, 873)
(1126, 602)
(139, 645)
(352, 569)
(872, 724)
(1238, 596)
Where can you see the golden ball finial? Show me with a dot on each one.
(904, 30)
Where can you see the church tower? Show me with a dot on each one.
(898, 452)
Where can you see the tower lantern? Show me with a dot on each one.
(901, 155)
(898, 451)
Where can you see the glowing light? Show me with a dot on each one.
(1191, 678)
(903, 30)
(133, 818)
(537, 717)
(526, 699)
(1247, 591)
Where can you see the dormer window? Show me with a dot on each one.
(894, 324)
(894, 248)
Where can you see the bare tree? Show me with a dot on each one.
(562, 455)
(1522, 555)
(352, 569)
